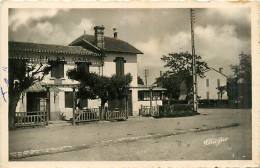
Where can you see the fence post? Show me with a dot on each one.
(151, 99)
(74, 106)
(48, 105)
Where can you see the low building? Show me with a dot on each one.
(118, 57)
(145, 93)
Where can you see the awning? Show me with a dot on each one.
(40, 87)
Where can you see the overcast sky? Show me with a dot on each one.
(220, 34)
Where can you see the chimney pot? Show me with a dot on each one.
(220, 70)
(115, 33)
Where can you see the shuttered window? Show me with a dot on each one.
(120, 66)
(57, 69)
(218, 82)
(207, 82)
(84, 66)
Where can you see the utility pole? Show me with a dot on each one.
(194, 76)
(146, 75)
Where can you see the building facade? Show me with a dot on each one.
(207, 86)
(95, 53)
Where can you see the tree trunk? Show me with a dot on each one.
(102, 110)
(12, 103)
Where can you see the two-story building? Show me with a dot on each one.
(96, 53)
(207, 86)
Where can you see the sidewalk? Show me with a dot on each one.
(55, 136)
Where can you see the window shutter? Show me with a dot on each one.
(61, 70)
(120, 66)
(53, 70)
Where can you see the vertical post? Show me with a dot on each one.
(151, 103)
(194, 76)
(48, 106)
(74, 106)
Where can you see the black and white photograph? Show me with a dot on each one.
(129, 84)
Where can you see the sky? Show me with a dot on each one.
(221, 34)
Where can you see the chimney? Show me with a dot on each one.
(99, 36)
(220, 70)
(161, 73)
(115, 33)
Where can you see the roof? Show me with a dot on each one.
(48, 48)
(147, 87)
(210, 68)
(111, 44)
(40, 87)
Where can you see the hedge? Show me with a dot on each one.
(177, 110)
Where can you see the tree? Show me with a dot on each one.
(179, 67)
(22, 75)
(221, 90)
(140, 80)
(93, 86)
(170, 82)
(239, 87)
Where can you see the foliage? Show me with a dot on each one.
(171, 83)
(140, 80)
(93, 86)
(178, 110)
(22, 75)
(221, 90)
(239, 86)
(179, 67)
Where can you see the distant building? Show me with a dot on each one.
(119, 58)
(207, 87)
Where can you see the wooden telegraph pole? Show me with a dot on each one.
(194, 76)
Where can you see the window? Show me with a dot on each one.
(147, 95)
(140, 95)
(207, 95)
(218, 82)
(57, 69)
(143, 95)
(120, 66)
(156, 95)
(68, 99)
(84, 66)
(207, 82)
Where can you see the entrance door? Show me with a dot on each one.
(36, 101)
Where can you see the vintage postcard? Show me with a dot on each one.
(130, 84)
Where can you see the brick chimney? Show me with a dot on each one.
(99, 36)
(220, 70)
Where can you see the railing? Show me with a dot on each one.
(116, 114)
(87, 115)
(145, 111)
(34, 118)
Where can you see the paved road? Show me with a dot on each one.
(119, 140)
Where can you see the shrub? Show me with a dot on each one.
(177, 110)
(210, 103)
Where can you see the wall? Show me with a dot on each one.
(130, 65)
(213, 92)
